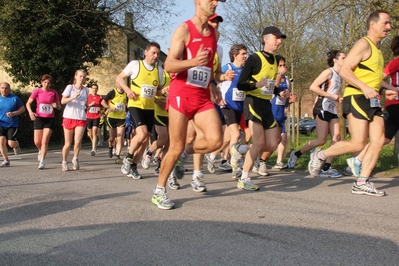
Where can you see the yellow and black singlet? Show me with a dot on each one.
(267, 70)
(369, 71)
(158, 111)
(118, 103)
(145, 86)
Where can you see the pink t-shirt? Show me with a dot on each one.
(44, 100)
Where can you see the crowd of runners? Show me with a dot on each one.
(195, 106)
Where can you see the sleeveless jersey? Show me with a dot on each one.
(369, 71)
(332, 86)
(119, 103)
(267, 70)
(392, 70)
(158, 111)
(233, 97)
(93, 111)
(279, 103)
(194, 82)
(145, 86)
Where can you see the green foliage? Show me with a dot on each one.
(56, 37)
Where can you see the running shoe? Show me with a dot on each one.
(113, 151)
(134, 173)
(315, 164)
(236, 173)
(292, 160)
(41, 165)
(256, 166)
(145, 161)
(280, 165)
(156, 160)
(39, 156)
(226, 167)
(198, 184)
(93, 153)
(64, 167)
(127, 162)
(156, 171)
(162, 200)
(110, 154)
(118, 159)
(179, 169)
(235, 156)
(355, 167)
(331, 172)
(246, 184)
(5, 163)
(347, 171)
(75, 164)
(262, 169)
(17, 150)
(211, 164)
(366, 188)
(172, 182)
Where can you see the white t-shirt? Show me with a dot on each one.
(75, 109)
(132, 69)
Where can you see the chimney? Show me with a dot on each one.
(129, 20)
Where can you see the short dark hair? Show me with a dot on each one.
(151, 44)
(395, 46)
(375, 16)
(235, 50)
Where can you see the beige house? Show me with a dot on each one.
(124, 45)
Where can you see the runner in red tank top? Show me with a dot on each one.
(191, 55)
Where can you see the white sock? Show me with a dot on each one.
(197, 173)
(244, 175)
(158, 189)
(212, 157)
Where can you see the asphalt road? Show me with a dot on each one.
(98, 216)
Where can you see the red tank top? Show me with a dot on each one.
(194, 82)
(392, 70)
(93, 112)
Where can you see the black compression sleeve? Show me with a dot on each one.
(252, 66)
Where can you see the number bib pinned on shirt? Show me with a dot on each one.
(120, 107)
(199, 76)
(238, 96)
(330, 106)
(94, 110)
(269, 88)
(46, 108)
(280, 100)
(148, 91)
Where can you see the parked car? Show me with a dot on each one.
(307, 126)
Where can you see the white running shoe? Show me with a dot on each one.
(198, 184)
(41, 165)
(293, 159)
